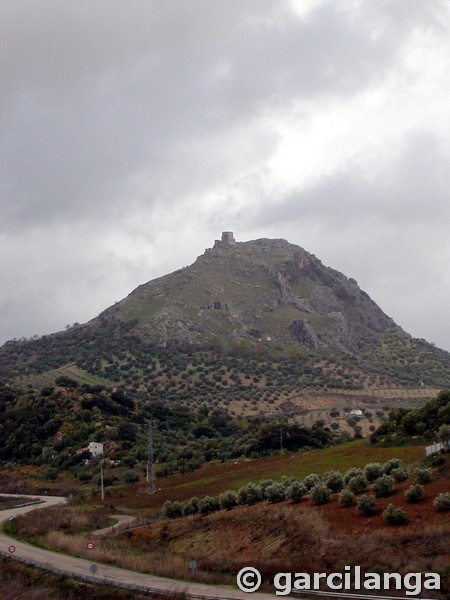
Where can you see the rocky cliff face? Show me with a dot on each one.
(264, 292)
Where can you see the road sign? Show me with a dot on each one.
(192, 564)
(90, 545)
(12, 549)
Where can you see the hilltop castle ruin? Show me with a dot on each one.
(227, 240)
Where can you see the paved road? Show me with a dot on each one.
(122, 522)
(78, 566)
(113, 575)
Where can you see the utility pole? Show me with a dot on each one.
(101, 480)
(150, 469)
(281, 438)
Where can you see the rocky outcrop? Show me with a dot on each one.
(264, 290)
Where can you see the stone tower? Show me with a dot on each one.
(228, 238)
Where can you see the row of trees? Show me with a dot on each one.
(355, 481)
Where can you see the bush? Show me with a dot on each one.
(347, 498)
(367, 505)
(131, 476)
(442, 502)
(208, 505)
(353, 472)
(287, 481)
(400, 474)
(50, 474)
(437, 461)
(172, 510)
(84, 476)
(228, 500)
(334, 481)
(414, 494)
(320, 494)
(249, 494)
(394, 516)
(190, 506)
(264, 484)
(311, 480)
(383, 486)
(296, 491)
(357, 484)
(107, 480)
(373, 471)
(394, 463)
(423, 475)
(275, 493)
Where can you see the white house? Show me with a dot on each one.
(356, 412)
(95, 448)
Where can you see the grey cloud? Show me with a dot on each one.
(413, 187)
(95, 94)
(389, 231)
(114, 116)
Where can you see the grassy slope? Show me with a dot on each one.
(214, 478)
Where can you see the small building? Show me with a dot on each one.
(356, 412)
(227, 240)
(95, 448)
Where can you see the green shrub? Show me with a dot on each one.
(264, 484)
(275, 493)
(287, 481)
(347, 498)
(320, 494)
(367, 505)
(334, 481)
(357, 484)
(383, 486)
(353, 472)
(131, 476)
(312, 480)
(414, 494)
(395, 516)
(400, 474)
(437, 461)
(190, 506)
(208, 505)
(84, 476)
(296, 491)
(172, 510)
(249, 494)
(442, 502)
(423, 475)
(390, 465)
(373, 471)
(228, 500)
(51, 474)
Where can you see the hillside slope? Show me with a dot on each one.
(263, 291)
(264, 298)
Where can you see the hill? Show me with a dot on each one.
(263, 298)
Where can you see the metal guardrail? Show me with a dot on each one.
(182, 592)
(122, 584)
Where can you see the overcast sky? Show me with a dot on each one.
(133, 132)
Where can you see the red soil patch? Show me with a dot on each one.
(419, 515)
